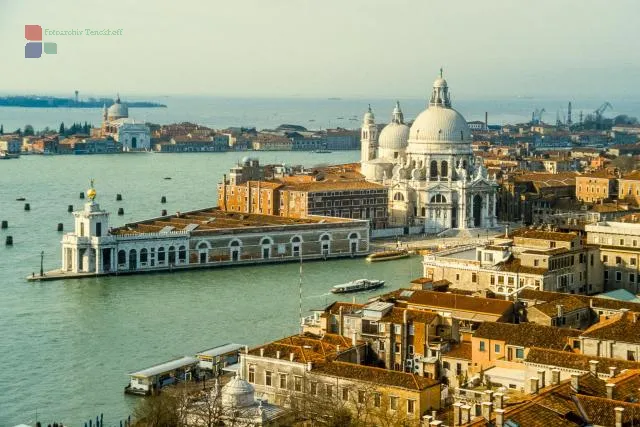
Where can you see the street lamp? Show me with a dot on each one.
(41, 263)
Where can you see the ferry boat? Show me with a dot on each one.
(357, 286)
(388, 255)
(322, 151)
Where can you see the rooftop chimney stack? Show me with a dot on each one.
(533, 385)
(575, 382)
(457, 414)
(278, 354)
(499, 417)
(291, 356)
(466, 414)
(486, 410)
(610, 388)
(555, 376)
(499, 400)
(613, 371)
(619, 412)
(593, 367)
(309, 366)
(541, 378)
(560, 310)
(262, 352)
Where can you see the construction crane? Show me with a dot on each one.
(600, 111)
(536, 116)
(569, 123)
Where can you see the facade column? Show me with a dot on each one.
(98, 264)
(114, 260)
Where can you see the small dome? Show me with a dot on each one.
(440, 124)
(394, 136)
(118, 110)
(238, 393)
(440, 82)
(368, 116)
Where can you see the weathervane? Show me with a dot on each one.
(440, 72)
(91, 192)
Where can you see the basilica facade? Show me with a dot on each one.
(116, 124)
(434, 181)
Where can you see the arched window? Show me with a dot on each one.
(353, 242)
(144, 255)
(122, 257)
(266, 241)
(133, 259)
(438, 198)
(325, 244)
(353, 236)
(172, 255)
(182, 254)
(296, 246)
(203, 245)
(444, 168)
(398, 197)
(161, 255)
(235, 243)
(433, 169)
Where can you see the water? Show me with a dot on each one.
(67, 346)
(218, 112)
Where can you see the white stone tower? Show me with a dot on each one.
(368, 137)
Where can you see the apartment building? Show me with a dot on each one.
(597, 186)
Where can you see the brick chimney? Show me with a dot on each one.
(262, 352)
(610, 388)
(560, 310)
(277, 354)
(555, 376)
(499, 400)
(619, 412)
(533, 385)
(466, 414)
(593, 367)
(613, 371)
(499, 417)
(309, 366)
(291, 356)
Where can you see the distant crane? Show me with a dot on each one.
(600, 111)
(569, 123)
(536, 116)
(77, 97)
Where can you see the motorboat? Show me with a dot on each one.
(388, 255)
(357, 286)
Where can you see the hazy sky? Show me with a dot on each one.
(393, 48)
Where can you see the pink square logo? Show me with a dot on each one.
(33, 33)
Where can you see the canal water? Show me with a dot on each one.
(67, 346)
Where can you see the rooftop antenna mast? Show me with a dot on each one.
(300, 291)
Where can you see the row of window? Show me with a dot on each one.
(497, 348)
(618, 277)
(618, 260)
(611, 241)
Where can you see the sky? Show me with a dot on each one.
(327, 48)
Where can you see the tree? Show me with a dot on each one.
(1, 129)
(61, 131)
(28, 130)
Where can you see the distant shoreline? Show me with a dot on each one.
(54, 102)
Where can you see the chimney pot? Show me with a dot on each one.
(619, 412)
(457, 414)
(278, 354)
(309, 366)
(291, 356)
(613, 371)
(262, 352)
(533, 385)
(593, 367)
(486, 410)
(610, 388)
(541, 378)
(499, 417)
(575, 382)
(499, 400)
(555, 376)
(466, 414)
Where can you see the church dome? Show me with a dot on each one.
(238, 393)
(394, 136)
(118, 110)
(440, 122)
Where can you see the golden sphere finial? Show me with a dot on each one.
(91, 192)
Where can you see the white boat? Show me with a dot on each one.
(357, 286)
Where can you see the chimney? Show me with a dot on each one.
(575, 382)
(426, 420)
(435, 423)
(309, 366)
(466, 414)
(533, 385)
(619, 412)
(340, 320)
(404, 317)
(486, 120)
(610, 388)
(457, 414)
(613, 371)
(486, 410)
(337, 348)
(262, 352)
(278, 354)
(291, 356)
(499, 400)
(499, 417)
(560, 310)
(541, 375)
(354, 342)
(488, 396)
(593, 367)
(434, 414)
(246, 349)
(555, 376)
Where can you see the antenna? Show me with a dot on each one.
(300, 289)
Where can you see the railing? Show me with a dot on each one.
(370, 330)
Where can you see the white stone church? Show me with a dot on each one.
(433, 178)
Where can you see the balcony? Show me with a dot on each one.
(371, 330)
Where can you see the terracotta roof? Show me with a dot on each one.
(453, 301)
(594, 301)
(306, 348)
(346, 307)
(396, 315)
(635, 175)
(514, 265)
(377, 376)
(334, 185)
(459, 351)
(569, 304)
(623, 327)
(528, 233)
(527, 334)
(569, 360)
(601, 173)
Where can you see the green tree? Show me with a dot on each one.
(1, 129)
(61, 131)
(28, 130)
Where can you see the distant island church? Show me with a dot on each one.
(116, 124)
(429, 168)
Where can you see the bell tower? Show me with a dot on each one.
(368, 137)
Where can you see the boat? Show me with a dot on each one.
(167, 177)
(20, 199)
(357, 286)
(388, 255)
(322, 151)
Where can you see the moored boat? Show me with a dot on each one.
(388, 255)
(357, 286)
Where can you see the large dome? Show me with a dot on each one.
(440, 124)
(238, 393)
(394, 136)
(118, 110)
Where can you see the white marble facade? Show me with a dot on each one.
(433, 178)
